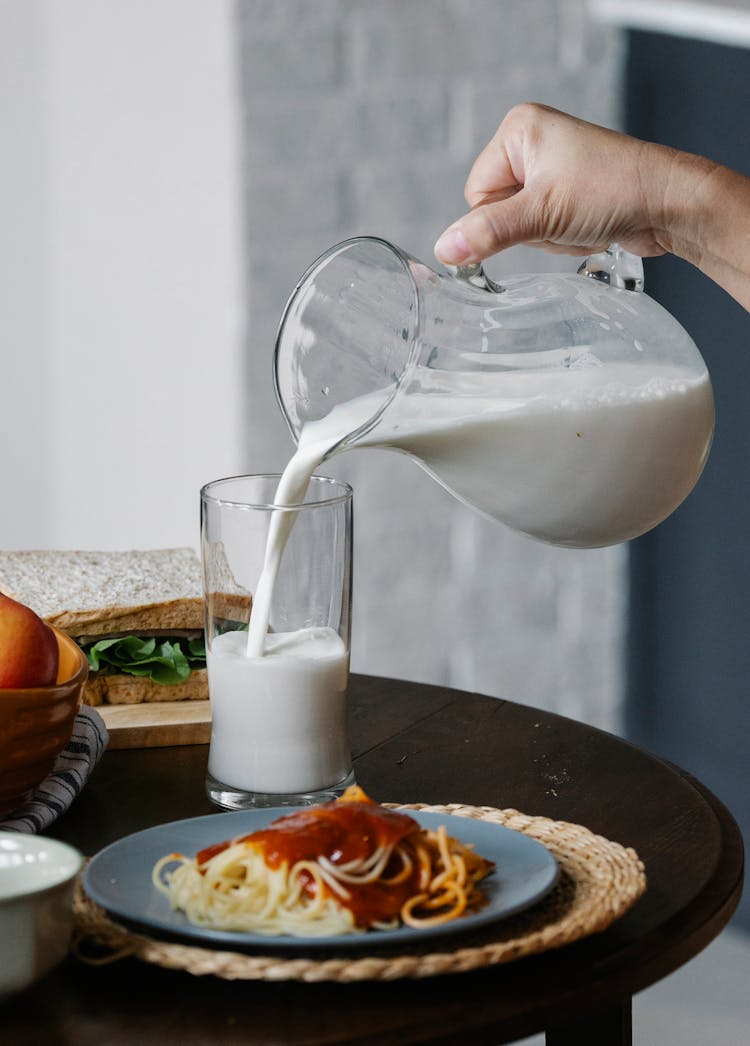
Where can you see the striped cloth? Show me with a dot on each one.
(67, 777)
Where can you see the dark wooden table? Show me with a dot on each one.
(416, 743)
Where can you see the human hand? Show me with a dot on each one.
(550, 180)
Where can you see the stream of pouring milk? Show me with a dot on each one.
(278, 700)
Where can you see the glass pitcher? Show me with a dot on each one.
(571, 407)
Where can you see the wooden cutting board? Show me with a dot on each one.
(157, 724)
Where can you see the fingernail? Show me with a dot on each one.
(452, 248)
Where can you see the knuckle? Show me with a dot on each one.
(527, 114)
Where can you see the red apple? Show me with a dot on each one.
(28, 647)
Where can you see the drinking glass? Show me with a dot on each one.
(279, 732)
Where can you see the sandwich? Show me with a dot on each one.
(137, 615)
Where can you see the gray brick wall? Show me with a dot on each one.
(364, 117)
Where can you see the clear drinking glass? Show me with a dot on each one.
(279, 732)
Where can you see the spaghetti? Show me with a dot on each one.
(342, 867)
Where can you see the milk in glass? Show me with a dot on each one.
(279, 719)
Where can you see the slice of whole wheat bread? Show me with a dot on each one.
(97, 593)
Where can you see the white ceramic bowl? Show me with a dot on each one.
(36, 906)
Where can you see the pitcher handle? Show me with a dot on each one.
(615, 266)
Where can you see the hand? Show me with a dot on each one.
(550, 180)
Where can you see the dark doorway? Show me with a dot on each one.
(688, 691)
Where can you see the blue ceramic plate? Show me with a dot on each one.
(119, 879)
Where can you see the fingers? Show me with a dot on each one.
(489, 228)
(502, 213)
(503, 163)
(492, 173)
(547, 178)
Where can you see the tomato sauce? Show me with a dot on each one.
(342, 831)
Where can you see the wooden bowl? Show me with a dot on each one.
(36, 724)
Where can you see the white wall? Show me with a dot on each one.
(121, 268)
(26, 466)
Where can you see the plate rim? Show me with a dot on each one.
(400, 937)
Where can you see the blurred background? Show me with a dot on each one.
(170, 167)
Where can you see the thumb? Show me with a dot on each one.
(489, 228)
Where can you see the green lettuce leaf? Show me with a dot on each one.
(162, 660)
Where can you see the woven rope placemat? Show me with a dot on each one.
(599, 880)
